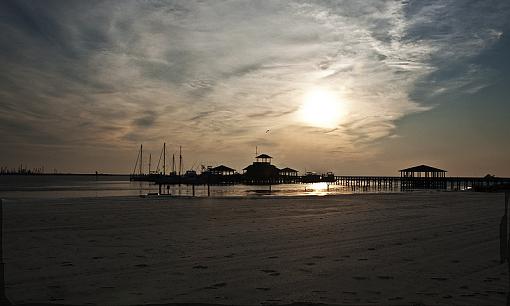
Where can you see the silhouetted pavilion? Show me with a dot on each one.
(423, 177)
(423, 171)
(222, 170)
(263, 158)
(288, 172)
(261, 171)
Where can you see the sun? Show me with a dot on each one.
(322, 108)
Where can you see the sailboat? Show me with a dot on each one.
(140, 176)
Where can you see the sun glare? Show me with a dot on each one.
(322, 108)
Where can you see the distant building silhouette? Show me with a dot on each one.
(288, 172)
(222, 170)
(423, 177)
(261, 171)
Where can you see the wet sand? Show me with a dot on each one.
(430, 248)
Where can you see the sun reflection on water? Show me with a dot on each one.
(321, 188)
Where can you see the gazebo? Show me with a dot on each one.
(423, 177)
(288, 172)
(261, 171)
(222, 170)
(263, 158)
(423, 171)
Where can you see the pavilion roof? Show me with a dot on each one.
(263, 156)
(222, 168)
(287, 169)
(422, 168)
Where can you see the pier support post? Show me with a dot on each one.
(193, 189)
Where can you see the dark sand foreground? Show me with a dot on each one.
(429, 248)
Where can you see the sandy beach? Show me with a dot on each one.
(425, 247)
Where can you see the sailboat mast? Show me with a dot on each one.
(180, 159)
(141, 158)
(164, 158)
(136, 163)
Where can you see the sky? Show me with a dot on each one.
(354, 87)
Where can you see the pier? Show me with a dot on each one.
(410, 183)
(390, 183)
(263, 172)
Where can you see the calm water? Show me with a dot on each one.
(62, 186)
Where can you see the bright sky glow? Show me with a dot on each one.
(322, 108)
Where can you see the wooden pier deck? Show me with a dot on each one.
(382, 182)
(450, 183)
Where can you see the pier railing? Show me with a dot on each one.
(451, 183)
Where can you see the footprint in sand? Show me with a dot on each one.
(53, 299)
(271, 272)
(385, 277)
(360, 277)
(439, 278)
(273, 301)
(310, 263)
(263, 289)
(141, 265)
(396, 298)
(216, 286)
(200, 267)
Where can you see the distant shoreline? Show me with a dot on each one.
(62, 174)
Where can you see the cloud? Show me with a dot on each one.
(208, 72)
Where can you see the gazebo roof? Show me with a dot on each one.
(222, 168)
(422, 168)
(288, 170)
(263, 156)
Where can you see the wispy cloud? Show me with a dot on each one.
(203, 73)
